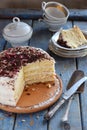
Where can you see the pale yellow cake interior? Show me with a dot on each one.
(39, 72)
(73, 37)
(19, 84)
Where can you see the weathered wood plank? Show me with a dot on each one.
(78, 15)
(41, 35)
(75, 114)
(2, 44)
(65, 67)
(30, 122)
(6, 120)
(83, 97)
(21, 13)
(82, 64)
(3, 23)
(35, 121)
(75, 14)
(82, 25)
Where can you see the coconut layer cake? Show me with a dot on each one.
(21, 66)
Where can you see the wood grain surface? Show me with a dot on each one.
(64, 68)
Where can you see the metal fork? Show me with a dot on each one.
(64, 120)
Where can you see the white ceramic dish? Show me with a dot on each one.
(55, 10)
(53, 21)
(54, 27)
(56, 36)
(67, 52)
(17, 33)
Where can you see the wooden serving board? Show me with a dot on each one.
(37, 97)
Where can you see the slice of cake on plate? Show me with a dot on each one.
(21, 66)
(72, 38)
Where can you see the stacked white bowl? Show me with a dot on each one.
(55, 15)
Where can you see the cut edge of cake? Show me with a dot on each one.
(11, 88)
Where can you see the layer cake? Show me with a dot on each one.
(21, 66)
(72, 38)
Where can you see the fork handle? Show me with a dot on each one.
(65, 117)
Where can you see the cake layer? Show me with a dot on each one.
(39, 71)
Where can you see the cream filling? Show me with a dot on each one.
(39, 71)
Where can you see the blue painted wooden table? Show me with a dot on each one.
(64, 68)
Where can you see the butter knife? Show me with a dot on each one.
(65, 97)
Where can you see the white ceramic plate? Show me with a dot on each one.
(67, 52)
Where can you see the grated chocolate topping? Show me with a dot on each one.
(12, 59)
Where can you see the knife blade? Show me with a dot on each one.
(65, 97)
(73, 89)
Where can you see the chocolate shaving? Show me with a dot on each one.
(61, 42)
(12, 59)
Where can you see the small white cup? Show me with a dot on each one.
(53, 21)
(55, 27)
(55, 11)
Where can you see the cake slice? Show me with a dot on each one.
(39, 72)
(72, 38)
(21, 66)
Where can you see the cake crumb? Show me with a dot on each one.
(33, 89)
(1, 118)
(53, 84)
(31, 123)
(28, 93)
(27, 86)
(48, 85)
(26, 89)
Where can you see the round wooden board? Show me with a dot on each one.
(37, 97)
